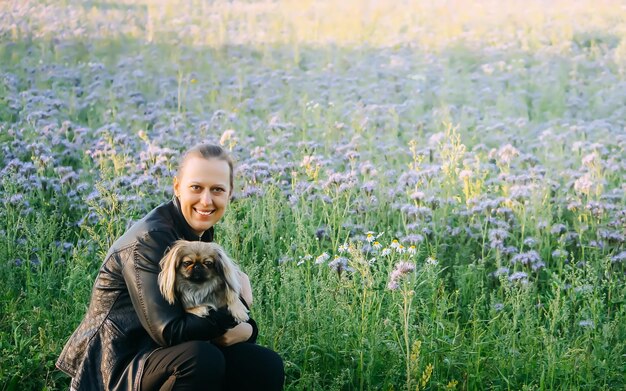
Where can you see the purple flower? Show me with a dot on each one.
(519, 276)
(619, 258)
(586, 323)
(401, 270)
(500, 271)
(339, 264)
(526, 258)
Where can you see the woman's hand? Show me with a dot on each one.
(246, 288)
(240, 333)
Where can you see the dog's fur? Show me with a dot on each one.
(202, 277)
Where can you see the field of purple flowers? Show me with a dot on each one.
(429, 196)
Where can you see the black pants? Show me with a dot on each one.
(200, 365)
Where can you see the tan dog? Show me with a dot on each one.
(202, 277)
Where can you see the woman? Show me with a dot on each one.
(132, 339)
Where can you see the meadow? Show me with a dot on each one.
(430, 195)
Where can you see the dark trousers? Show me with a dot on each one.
(200, 365)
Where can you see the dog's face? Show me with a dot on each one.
(197, 266)
(198, 262)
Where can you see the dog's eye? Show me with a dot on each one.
(187, 263)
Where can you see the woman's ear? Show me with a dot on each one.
(176, 186)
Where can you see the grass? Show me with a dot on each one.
(478, 136)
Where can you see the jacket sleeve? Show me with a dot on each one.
(167, 324)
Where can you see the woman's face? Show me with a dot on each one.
(203, 190)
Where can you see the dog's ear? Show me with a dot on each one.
(227, 270)
(167, 276)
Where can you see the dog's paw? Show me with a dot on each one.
(201, 310)
(239, 312)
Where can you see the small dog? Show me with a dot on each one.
(202, 277)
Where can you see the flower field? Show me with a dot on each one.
(430, 195)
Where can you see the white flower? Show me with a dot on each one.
(322, 258)
(431, 261)
(386, 251)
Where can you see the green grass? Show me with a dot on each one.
(320, 88)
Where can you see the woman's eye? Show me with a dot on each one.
(195, 187)
(219, 190)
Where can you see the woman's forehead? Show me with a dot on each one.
(199, 169)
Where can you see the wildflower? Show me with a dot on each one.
(400, 249)
(386, 251)
(227, 136)
(498, 234)
(376, 245)
(500, 271)
(436, 138)
(498, 307)
(401, 270)
(431, 261)
(507, 153)
(321, 233)
(621, 257)
(322, 258)
(530, 242)
(417, 195)
(413, 239)
(558, 229)
(340, 264)
(370, 237)
(558, 254)
(343, 248)
(519, 276)
(538, 265)
(465, 174)
(591, 159)
(583, 184)
(529, 257)
(586, 323)
(412, 250)
(395, 244)
(368, 187)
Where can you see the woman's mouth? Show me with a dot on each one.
(205, 212)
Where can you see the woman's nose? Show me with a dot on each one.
(206, 198)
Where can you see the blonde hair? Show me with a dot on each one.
(208, 151)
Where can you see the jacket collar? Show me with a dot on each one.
(181, 222)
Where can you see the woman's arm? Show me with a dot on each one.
(167, 324)
(246, 288)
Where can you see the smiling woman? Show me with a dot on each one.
(203, 186)
(133, 338)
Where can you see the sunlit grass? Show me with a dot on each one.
(481, 142)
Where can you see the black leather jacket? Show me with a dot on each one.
(127, 317)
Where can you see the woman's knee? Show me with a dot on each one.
(203, 359)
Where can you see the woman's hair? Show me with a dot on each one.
(208, 151)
